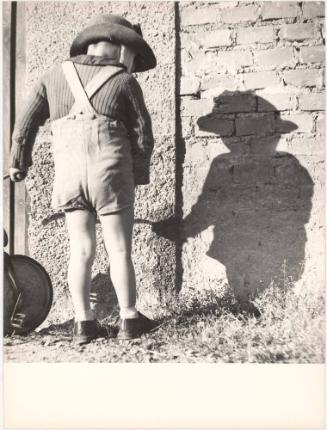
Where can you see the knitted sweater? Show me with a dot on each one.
(120, 98)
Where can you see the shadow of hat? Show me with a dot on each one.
(242, 102)
(115, 29)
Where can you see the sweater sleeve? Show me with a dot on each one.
(140, 131)
(34, 113)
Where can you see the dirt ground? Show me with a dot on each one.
(291, 329)
(55, 344)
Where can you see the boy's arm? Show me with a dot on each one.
(140, 131)
(34, 113)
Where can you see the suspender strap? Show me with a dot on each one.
(82, 95)
(101, 78)
(81, 99)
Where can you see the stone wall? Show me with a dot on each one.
(242, 163)
(252, 100)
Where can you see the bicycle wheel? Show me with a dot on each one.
(35, 286)
(10, 296)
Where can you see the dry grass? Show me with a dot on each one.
(200, 328)
(290, 329)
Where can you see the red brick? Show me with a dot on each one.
(239, 14)
(197, 16)
(303, 77)
(214, 81)
(214, 92)
(197, 65)
(312, 102)
(274, 58)
(313, 54)
(210, 62)
(251, 35)
(233, 60)
(303, 121)
(276, 10)
(255, 124)
(233, 143)
(190, 40)
(226, 4)
(213, 126)
(304, 145)
(312, 9)
(216, 38)
(235, 103)
(260, 79)
(268, 102)
(189, 86)
(298, 31)
(196, 107)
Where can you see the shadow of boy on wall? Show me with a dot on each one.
(257, 199)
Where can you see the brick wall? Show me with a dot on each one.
(252, 111)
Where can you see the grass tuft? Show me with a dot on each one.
(212, 328)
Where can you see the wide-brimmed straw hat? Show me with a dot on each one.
(115, 29)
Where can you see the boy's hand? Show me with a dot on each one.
(17, 175)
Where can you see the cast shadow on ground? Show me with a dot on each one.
(257, 199)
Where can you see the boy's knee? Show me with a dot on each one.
(85, 254)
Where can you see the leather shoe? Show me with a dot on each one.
(132, 328)
(85, 331)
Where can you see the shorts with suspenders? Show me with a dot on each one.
(92, 153)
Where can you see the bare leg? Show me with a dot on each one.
(81, 230)
(117, 233)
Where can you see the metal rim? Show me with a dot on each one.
(17, 259)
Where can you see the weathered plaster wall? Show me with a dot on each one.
(253, 184)
(51, 27)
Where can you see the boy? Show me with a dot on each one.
(102, 148)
